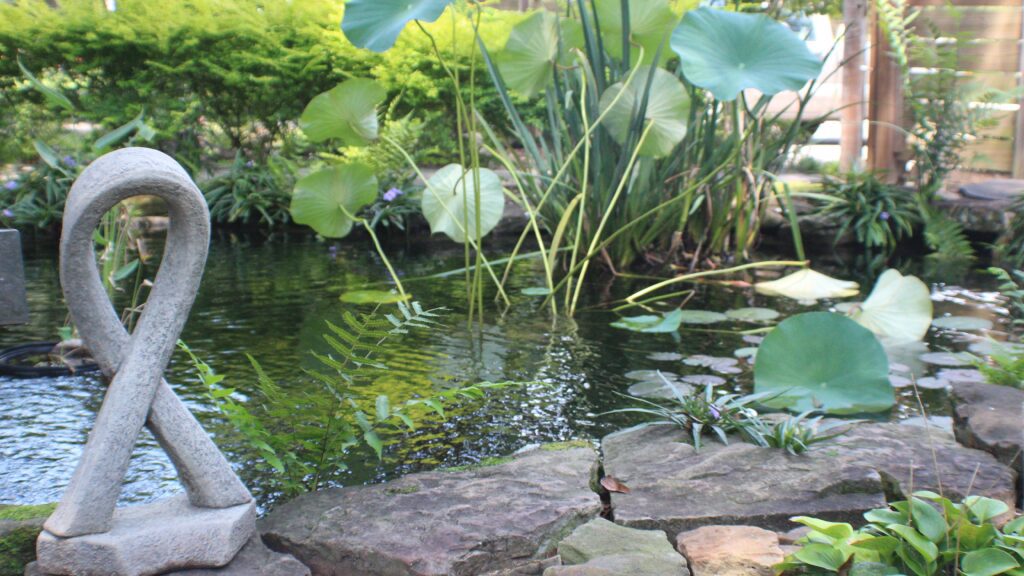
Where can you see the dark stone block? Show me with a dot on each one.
(13, 305)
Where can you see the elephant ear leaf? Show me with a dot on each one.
(728, 52)
(376, 24)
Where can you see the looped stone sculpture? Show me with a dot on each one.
(207, 525)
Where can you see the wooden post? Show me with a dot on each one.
(851, 141)
(885, 110)
(1018, 133)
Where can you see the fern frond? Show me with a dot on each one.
(946, 236)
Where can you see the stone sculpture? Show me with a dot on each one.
(209, 524)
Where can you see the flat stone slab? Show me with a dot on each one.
(990, 417)
(731, 550)
(149, 539)
(601, 547)
(675, 488)
(995, 189)
(455, 523)
(254, 559)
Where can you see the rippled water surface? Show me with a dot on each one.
(269, 298)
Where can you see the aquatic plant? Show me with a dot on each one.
(306, 438)
(926, 535)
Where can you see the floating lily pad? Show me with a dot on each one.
(753, 314)
(898, 381)
(748, 352)
(823, 361)
(704, 380)
(932, 383)
(701, 317)
(643, 375)
(372, 297)
(751, 339)
(660, 389)
(535, 291)
(946, 359)
(899, 308)
(962, 323)
(989, 347)
(722, 365)
(806, 284)
(961, 375)
(650, 323)
(665, 356)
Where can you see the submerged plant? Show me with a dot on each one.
(305, 437)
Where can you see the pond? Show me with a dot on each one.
(270, 298)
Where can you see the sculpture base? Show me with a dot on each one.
(151, 539)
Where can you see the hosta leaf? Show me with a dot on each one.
(899, 308)
(376, 24)
(666, 112)
(449, 202)
(347, 112)
(823, 361)
(320, 197)
(728, 52)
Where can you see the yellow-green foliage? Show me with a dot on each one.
(238, 63)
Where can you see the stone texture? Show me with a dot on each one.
(13, 305)
(621, 565)
(456, 523)
(255, 559)
(730, 551)
(990, 417)
(601, 547)
(675, 488)
(148, 539)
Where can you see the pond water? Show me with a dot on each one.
(270, 298)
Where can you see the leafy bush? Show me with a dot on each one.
(927, 535)
(880, 215)
(305, 438)
(250, 192)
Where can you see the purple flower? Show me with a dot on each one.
(250, 164)
(69, 161)
(715, 414)
(7, 213)
(883, 216)
(391, 194)
(11, 185)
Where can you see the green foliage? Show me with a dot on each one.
(307, 438)
(927, 535)
(251, 192)
(880, 215)
(701, 414)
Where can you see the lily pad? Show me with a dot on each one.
(898, 381)
(449, 202)
(823, 361)
(962, 323)
(961, 375)
(701, 317)
(899, 308)
(644, 375)
(932, 383)
(328, 199)
(748, 352)
(728, 52)
(753, 314)
(376, 24)
(990, 347)
(722, 365)
(704, 380)
(806, 284)
(667, 108)
(663, 389)
(665, 356)
(650, 323)
(946, 359)
(535, 291)
(372, 297)
(347, 112)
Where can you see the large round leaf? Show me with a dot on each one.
(807, 285)
(823, 361)
(728, 52)
(449, 202)
(650, 24)
(376, 24)
(530, 54)
(320, 197)
(347, 112)
(667, 109)
(899, 308)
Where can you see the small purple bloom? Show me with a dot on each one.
(883, 216)
(7, 213)
(11, 185)
(69, 161)
(250, 164)
(715, 414)
(391, 194)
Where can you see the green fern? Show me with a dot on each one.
(946, 237)
(304, 434)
